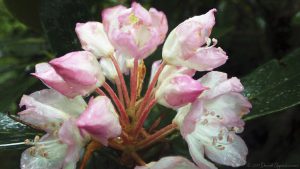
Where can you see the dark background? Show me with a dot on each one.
(252, 32)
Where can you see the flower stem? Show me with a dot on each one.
(122, 81)
(117, 102)
(88, 153)
(133, 83)
(157, 136)
(120, 92)
(100, 92)
(150, 88)
(144, 116)
(137, 158)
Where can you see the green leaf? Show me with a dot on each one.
(274, 86)
(14, 132)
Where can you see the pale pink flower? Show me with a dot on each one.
(178, 90)
(100, 120)
(171, 162)
(54, 113)
(184, 45)
(209, 125)
(135, 31)
(76, 73)
(94, 39)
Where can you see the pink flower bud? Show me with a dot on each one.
(76, 73)
(183, 46)
(178, 90)
(171, 162)
(94, 39)
(100, 120)
(135, 32)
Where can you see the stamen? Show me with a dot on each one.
(214, 141)
(229, 138)
(208, 42)
(205, 121)
(220, 147)
(215, 41)
(238, 129)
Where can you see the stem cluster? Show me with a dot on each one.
(132, 114)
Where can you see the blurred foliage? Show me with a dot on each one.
(252, 32)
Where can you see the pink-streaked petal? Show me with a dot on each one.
(171, 162)
(47, 74)
(189, 38)
(159, 20)
(178, 91)
(197, 152)
(168, 71)
(94, 39)
(82, 64)
(109, 15)
(206, 58)
(213, 78)
(107, 124)
(230, 85)
(141, 13)
(207, 22)
(233, 154)
(47, 109)
(69, 134)
(193, 115)
(183, 45)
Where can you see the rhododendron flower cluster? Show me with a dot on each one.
(81, 112)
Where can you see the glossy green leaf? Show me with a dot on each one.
(12, 132)
(274, 86)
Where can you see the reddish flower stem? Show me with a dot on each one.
(133, 83)
(156, 123)
(137, 158)
(157, 136)
(144, 116)
(117, 102)
(150, 88)
(88, 153)
(122, 81)
(120, 92)
(100, 92)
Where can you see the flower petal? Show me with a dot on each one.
(171, 162)
(47, 109)
(94, 39)
(82, 64)
(197, 152)
(178, 90)
(233, 155)
(69, 134)
(107, 124)
(49, 154)
(52, 79)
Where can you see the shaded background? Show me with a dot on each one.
(252, 32)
